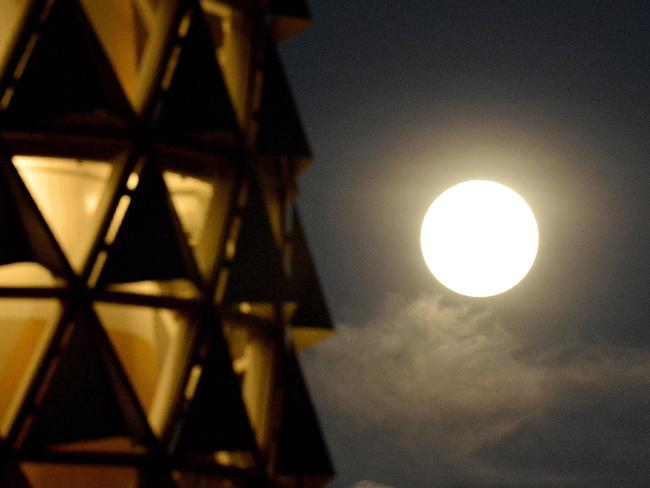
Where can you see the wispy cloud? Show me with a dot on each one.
(440, 391)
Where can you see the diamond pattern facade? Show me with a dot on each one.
(154, 276)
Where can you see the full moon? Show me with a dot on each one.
(479, 238)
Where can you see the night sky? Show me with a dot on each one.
(547, 385)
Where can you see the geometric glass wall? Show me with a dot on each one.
(155, 281)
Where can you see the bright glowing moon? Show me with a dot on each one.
(479, 238)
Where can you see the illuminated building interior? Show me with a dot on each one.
(155, 280)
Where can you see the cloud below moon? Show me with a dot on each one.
(452, 395)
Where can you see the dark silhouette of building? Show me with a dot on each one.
(155, 281)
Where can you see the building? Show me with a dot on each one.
(155, 283)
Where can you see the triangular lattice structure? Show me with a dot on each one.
(68, 193)
(148, 267)
(65, 415)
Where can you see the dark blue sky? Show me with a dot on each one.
(546, 385)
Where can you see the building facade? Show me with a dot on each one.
(155, 281)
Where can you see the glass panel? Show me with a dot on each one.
(68, 193)
(231, 34)
(45, 475)
(152, 345)
(123, 33)
(26, 326)
(191, 198)
(24, 275)
(133, 33)
(202, 201)
(253, 355)
(12, 15)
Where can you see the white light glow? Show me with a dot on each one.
(479, 238)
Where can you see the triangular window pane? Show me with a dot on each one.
(191, 198)
(202, 199)
(83, 383)
(68, 193)
(28, 251)
(252, 351)
(152, 345)
(48, 475)
(133, 34)
(26, 326)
